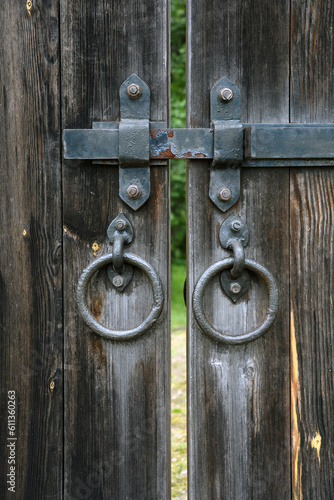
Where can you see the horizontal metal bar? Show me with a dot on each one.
(102, 144)
(265, 145)
(289, 141)
(89, 144)
(188, 143)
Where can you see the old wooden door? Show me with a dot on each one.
(83, 416)
(92, 415)
(261, 413)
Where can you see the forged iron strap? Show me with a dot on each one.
(264, 145)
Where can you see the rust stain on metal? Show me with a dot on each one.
(154, 132)
(295, 412)
(191, 154)
(167, 154)
(170, 132)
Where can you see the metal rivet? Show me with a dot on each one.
(120, 224)
(117, 281)
(226, 94)
(133, 191)
(134, 91)
(236, 225)
(52, 385)
(235, 288)
(224, 194)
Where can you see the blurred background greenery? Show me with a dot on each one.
(178, 243)
(178, 168)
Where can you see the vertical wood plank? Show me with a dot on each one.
(31, 252)
(312, 266)
(239, 417)
(117, 395)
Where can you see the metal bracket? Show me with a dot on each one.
(227, 144)
(120, 232)
(234, 235)
(134, 143)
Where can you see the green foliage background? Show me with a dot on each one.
(178, 119)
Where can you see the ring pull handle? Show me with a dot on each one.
(120, 232)
(234, 278)
(215, 334)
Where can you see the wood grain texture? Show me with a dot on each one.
(312, 266)
(31, 257)
(239, 416)
(117, 395)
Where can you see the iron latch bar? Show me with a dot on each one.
(264, 145)
(134, 143)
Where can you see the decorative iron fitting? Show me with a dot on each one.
(227, 144)
(234, 235)
(135, 143)
(120, 233)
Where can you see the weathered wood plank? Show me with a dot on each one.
(117, 393)
(312, 265)
(31, 257)
(239, 417)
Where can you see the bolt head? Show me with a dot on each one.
(235, 288)
(134, 91)
(226, 94)
(224, 194)
(117, 281)
(236, 225)
(120, 224)
(133, 191)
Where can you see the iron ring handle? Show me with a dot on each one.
(90, 320)
(224, 337)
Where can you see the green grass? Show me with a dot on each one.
(177, 302)
(179, 416)
(179, 408)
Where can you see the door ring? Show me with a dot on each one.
(224, 337)
(90, 320)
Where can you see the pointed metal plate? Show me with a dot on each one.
(120, 225)
(234, 287)
(224, 180)
(224, 110)
(134, 108)
(120, 281)
(132, 179)
(233, 228)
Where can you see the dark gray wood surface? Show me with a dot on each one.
(117, 401)
(31, 253)
(239, 407)
(312, 267)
